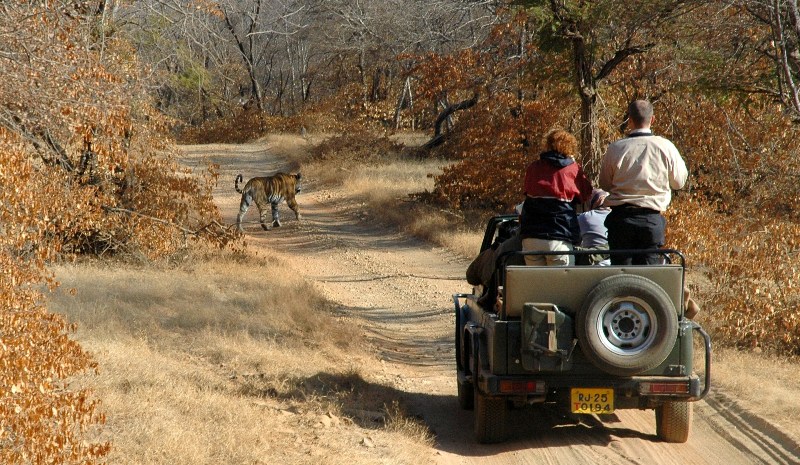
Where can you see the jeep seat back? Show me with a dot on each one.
(566, 286)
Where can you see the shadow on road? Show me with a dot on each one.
(369, 405)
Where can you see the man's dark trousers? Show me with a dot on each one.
(634, 228)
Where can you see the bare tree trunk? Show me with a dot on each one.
(401, 102)
(795, 15)
(791, 94)
(587, 82)
(247, 56)
(374, 94)
(587, 89)
(362, 72)
(590, 135)
(292, 73)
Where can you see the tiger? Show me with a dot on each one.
(268, 190)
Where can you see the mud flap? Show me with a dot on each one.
(547, 338)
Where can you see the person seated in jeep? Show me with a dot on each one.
(554, 184)
(594, 235)
(481, 271)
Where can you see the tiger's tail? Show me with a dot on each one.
(236, 183)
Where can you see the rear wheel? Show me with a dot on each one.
(674, 421)
(490, 418)
(489, 415)
(627, 325)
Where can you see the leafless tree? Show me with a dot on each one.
(273, 54)
(782, 17)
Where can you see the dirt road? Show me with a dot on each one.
(399, 291)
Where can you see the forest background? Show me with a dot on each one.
(96, 93)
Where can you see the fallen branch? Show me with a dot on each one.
(438, 137)
(167, 222)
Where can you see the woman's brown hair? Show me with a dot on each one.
(561, 141)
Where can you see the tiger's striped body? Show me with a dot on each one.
(268, 191)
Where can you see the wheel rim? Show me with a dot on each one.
(627, 326)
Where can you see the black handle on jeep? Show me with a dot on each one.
(707, 339)
(457, 303)
(459, 296)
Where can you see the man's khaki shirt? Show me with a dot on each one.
(642, 170)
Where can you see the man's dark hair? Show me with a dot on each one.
(505, 230)
(640, 112)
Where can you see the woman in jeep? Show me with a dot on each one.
(553, 185)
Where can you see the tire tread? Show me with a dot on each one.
(667, 325)
(490, 418)
(674, 421)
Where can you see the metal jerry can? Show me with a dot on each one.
(547, 338)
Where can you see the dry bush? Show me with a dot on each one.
(492, 141)
(42, 418)
(345, 112)
(491, 154)
(358, 147)
(242, 126)
(90, 130)
(245, 125)
(86, 169)
(739, 222)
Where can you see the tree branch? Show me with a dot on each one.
(619, 57)
(463, 105)
(438, 137)
(166, 222)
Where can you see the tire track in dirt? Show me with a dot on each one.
(398, 290)
(741, 429)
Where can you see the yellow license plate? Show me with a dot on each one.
(592, 400)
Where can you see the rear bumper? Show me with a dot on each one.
(637, 385)
(637, 392)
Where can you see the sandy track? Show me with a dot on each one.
(399, 291)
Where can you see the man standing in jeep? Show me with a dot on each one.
(639, 172)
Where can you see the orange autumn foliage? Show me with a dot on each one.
(85, 168)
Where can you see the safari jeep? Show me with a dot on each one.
(589, 339)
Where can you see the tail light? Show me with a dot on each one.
(522, 387)
(666, 388)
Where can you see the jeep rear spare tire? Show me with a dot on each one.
(627, 325)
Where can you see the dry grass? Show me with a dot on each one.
(226, 360)
(763, 384)
(386, 186)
